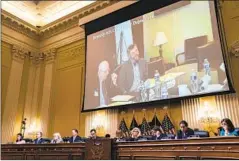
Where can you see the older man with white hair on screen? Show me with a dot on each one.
(106, 86)
(103, 72)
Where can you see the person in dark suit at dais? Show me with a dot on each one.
(39, 139)
(75, 137)
(184, 131)
(157, 134)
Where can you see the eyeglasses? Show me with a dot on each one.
(182, 127)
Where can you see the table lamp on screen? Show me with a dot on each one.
(159, 41)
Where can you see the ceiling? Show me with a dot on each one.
(40, 13)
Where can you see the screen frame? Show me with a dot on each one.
(223, 44)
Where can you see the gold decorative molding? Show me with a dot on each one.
(61, 25)
(50, 55)
(19, 53)
(19, 25)
(235, 49)
(103, 12)
(36, 58)
(71, 57)
(72, 20)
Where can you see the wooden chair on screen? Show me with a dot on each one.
(157, 64)
(190, 50)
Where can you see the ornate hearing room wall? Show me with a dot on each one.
(43, 76)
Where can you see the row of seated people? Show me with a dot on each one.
(75, 138)
(227, 129)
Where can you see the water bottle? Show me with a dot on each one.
(206, 66)
(164, 90)
(157, 83)
(143, 92)
(194, 81)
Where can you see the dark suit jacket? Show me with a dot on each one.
(109, 91)
(77, 139)
(126, 75)
(38, 142)
(188, 133)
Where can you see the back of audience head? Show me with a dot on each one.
(107, 135)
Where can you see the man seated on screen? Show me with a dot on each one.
(184, 131)
(132, 72)
(107, 86)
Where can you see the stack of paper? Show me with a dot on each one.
(122, 98)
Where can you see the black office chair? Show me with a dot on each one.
(170, 136)
(84, 139)
(201, 134)
(27, 140)
(237, 130)
(66, 139)
(147, 137)
(46, 141)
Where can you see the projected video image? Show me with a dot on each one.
(168, 53)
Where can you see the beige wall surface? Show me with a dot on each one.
(5, 69)
(68, 89)
(65, 86)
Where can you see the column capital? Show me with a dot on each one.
(37, 58)
(19, 53)
(50, 55)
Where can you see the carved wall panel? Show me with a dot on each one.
(71, 56)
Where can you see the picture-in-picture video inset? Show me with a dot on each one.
(164, 54)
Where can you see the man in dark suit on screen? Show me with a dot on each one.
(133, 72)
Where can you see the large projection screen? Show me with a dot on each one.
(171, 52)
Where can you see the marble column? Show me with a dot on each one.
(13, 91)
(47, 86)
